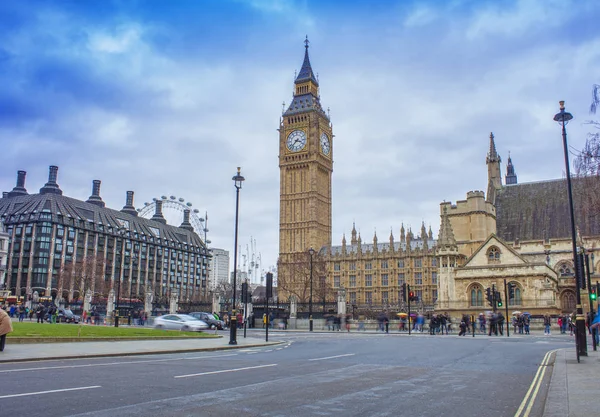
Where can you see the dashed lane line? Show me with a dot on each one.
(25, 394)
(226, 370)
(332, 357)
(89, 365)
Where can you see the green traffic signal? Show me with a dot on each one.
(593, 295)
(499, 303)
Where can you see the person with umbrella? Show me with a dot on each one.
(526, 321)
(402, 322)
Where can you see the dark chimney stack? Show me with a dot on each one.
(129, 208)
(95, 197)
(158, 216)
(186, 221)
(20, 187)
(4, 194)
(21, 179)
(51, 186)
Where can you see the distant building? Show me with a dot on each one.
(52, 235)
(219, 267)
(240, 277)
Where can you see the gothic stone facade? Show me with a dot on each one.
(514, 232)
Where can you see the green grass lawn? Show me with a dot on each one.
(26, 329)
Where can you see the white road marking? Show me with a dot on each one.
(332, 357)
(48, 392)
(42, 368)
(226, 370)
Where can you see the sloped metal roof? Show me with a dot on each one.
(540, 210)
(60, 209)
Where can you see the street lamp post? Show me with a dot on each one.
(121, 232)
(311, 252)
(238, 180)
(563, 118)
(116, 315)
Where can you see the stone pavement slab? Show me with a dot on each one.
(574, 390)
(45, 351)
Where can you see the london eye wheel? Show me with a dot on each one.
(173, 211)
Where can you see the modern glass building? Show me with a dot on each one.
(63, 247)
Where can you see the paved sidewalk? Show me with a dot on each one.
(39, 351)
(573, 390)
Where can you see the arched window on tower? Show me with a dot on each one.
(568, 302)
(517, 298)
(565, 270)
(476, 296)
(493, 255)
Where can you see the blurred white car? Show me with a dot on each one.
(181, 322)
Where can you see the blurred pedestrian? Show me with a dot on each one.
(546, 324)
(5, 327)
(463, 328)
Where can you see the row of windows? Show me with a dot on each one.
(45, 229)
(477, 300)
(386, 296)
(384, 279)
(417, 263)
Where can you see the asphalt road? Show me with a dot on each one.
(319, 374)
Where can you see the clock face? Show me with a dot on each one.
(296, 140)
(325, 146)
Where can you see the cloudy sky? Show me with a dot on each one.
(168, 98)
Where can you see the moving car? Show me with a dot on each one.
(182, 322)
(209, 319)
(65, 315)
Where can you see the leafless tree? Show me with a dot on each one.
(78, 277)
(294, 277)
(586, 189)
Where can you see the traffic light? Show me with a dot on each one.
(403, 292)
(488, 296)
(499, 298)
(411, 296)
(245, 292)
(593, 294)
(269, 285)
(511, 290)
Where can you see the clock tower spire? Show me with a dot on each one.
(306, 166)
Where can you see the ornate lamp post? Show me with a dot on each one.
(563, 119)
(311, 252)
(238, 180)
(121, 232)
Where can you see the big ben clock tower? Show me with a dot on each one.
(306, 165)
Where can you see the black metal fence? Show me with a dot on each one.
(190, 307)
(319, 309)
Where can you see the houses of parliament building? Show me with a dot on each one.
(512, 232)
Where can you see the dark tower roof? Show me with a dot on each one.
(511, 177)
(306, 73)
(306, 100)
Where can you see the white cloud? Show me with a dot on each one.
(412, 111)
